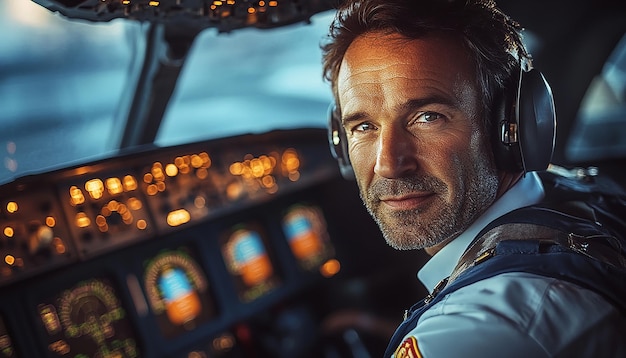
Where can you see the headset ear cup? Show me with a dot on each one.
(338, 142)
(537, 121)
(526, 135)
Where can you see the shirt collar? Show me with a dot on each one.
(527, 191)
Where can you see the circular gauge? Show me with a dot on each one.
(94, 321)
(176, 290)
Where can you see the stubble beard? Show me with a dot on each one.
(438, 221)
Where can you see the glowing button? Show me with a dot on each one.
(178, 217)
(114, 185)
(9, 259)
(12, 206)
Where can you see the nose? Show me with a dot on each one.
(395, 153)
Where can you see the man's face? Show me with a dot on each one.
(411, 111)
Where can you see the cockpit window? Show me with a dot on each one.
(60, 85)
(601, 124)
(250, 81)
(65, 85)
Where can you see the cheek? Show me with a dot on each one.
(362, 157)
(453, 160)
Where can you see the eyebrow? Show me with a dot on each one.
(406, 107)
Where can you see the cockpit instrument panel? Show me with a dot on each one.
(163, 253)
(33, 234)
(223, 15)
(105, 210)
(87, 319)
(82, 212)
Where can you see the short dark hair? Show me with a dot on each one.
(492, 39)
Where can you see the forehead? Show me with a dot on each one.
(376, 62)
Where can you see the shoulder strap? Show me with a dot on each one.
(536, 256)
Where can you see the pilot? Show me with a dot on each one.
(448, 131)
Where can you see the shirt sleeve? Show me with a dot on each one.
(516, 315)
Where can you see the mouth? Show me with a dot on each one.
(408, 201)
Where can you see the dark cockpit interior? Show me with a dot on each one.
(165, 194)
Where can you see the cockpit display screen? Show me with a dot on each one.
(178, 291)
(245, 252)
(87, 320)
(305, 229)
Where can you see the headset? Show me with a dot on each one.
(524, 135)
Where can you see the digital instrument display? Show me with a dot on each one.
(245, 252)
(87, 320)
(6, 345)
(178, 291)
(304, 227)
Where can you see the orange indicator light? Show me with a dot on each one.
(178, 217)
(330, 268)
(196, 161)
(12, 206)
(50, 221)
(141, 224)
(76, 196)
(130, 183)
(171, 170)
(134, 204)
(8, 231)
(95, 188)
(9, 259)
(114, 185)
(82, 220)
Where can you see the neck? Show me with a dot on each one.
(506, 181)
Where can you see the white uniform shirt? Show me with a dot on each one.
(513, 314)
